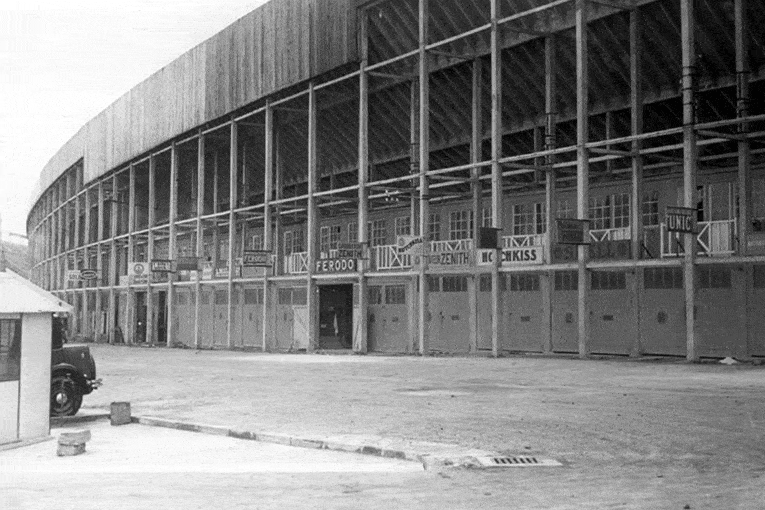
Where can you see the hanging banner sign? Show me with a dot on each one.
(162, 266)
(339, 265)
(409, 245)
(680, 219)
(572, 231)
(527, 255)
(187, 264)
(450, 259)
(207, 270)
(256, 258)
(73, 275)
(138, 272)
(350, 251)
(88, 274)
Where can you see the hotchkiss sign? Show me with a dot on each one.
(513, 256)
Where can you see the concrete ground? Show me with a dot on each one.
(631, 434)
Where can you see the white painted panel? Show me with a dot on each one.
(9, 411)
(35, 376)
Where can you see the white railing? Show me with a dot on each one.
(447, 246)
(715, 238)
(296, 263)
(610, 234)
(524, 241)
(388, 257)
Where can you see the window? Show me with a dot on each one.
(353, 232)
(484, 283)
(253, 296)
(299, 296)
(10, 349)
(221, 297)
(524, 282)
(486, 217)
(608, 280)
(256, 242)
(540, 217)
(621, 210)
(565, 209)
(523, 219)
(329, 238)
(651, 208)
(395, 295)
(758, 205)
(566, 280)
(378, 232)
(374, 294)
(460, 225)
(434, 284)
(600, 213)
(434, 227)
(663, 278)
(403, 226)
(759, 276)
(714, 277)
(293, 242)
(454, 283)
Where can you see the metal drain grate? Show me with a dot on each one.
(517, 461)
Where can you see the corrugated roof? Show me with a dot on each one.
(19, 295)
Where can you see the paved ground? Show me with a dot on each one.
(633, 434)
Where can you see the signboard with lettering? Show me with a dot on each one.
(450, 259)
(409, 245)
(572, 231)
(138, 272)
(680, 219)
(350, 251)
(513, 256)
(337, 265)
(162, 266)
(207, 270)
(73, 275)
(256, 258)
(88, 274)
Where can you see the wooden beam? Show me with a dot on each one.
(268, 325)
(743, 72)
(582, 172)
(130, 315)
(551, 107)
(232, 200)
(476, 155)
(313, 225)
(360, 340)
(636, 128)
(424, 130)
(172, 245)
(150, 315)
(496, 170)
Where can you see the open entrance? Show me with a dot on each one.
(140, 317)
(161, 317)
(336, 316)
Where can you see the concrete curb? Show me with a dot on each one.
(430, 455)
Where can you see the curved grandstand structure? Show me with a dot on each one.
(416, 176)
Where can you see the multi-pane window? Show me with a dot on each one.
(293, 241)
(329, 238)
(758, 204)
(663, 278)
(374, 295)
(651, 208)
(714, 277)
(529, 219)
(402, 226)
(524, 282)
(460, 225)
(621, 210)
(256, 242)
(608, 280)
(565, 209)
(377, 232)
(395, 295)
(600, 212)
(454, 284)
(353, 232)
(566, 280)
(10, 349)
(486, 217)
(540, 218)
(434, 227)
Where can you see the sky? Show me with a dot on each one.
(61, 63)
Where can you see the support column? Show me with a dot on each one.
(476, 156)
(151, 323)
(414, 171)
(742, 111)
(361, 341)
(496, 172)
(636, 202)
(200, 235)
(85, 326)
(551, 107)
(313, 229)
(424, 104)
(690, 153)
(171, 245)
(112, 311)
(99, 262)
(130, 312)
(268, 222)
(582, 171)
(232, 200)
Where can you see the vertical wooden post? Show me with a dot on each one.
(172, 245)
(99, 263)
(424, 104)
(636, 202)
(742, 111)
(111, 312)
(414, 170)
(268, 220)
(361, 341)
(232, 200)
(85, 326)
(313, 230)
(551, 107)
(130, 313)
(200, 235)
(476, 156)
(151, 336)
(687, 25)
(583, 171)
(496, 172)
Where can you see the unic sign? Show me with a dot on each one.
(680, 219)
(513, 256)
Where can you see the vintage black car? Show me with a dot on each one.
(73, 372)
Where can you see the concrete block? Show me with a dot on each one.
(74, 437)
(69, 450)
(120, 413)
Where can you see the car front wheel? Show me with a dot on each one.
(65, 399)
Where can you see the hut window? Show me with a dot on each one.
(10, 349)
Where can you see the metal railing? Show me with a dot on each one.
(296, 263)
(524, 241)
(388, 257)
(610, 234)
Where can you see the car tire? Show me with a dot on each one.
(65, 399)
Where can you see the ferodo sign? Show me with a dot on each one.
(513, 256)
(342, 265)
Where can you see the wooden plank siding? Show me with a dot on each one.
(280, 44)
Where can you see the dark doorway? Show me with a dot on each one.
(336, 316)
(161, 317)
(140, 318)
